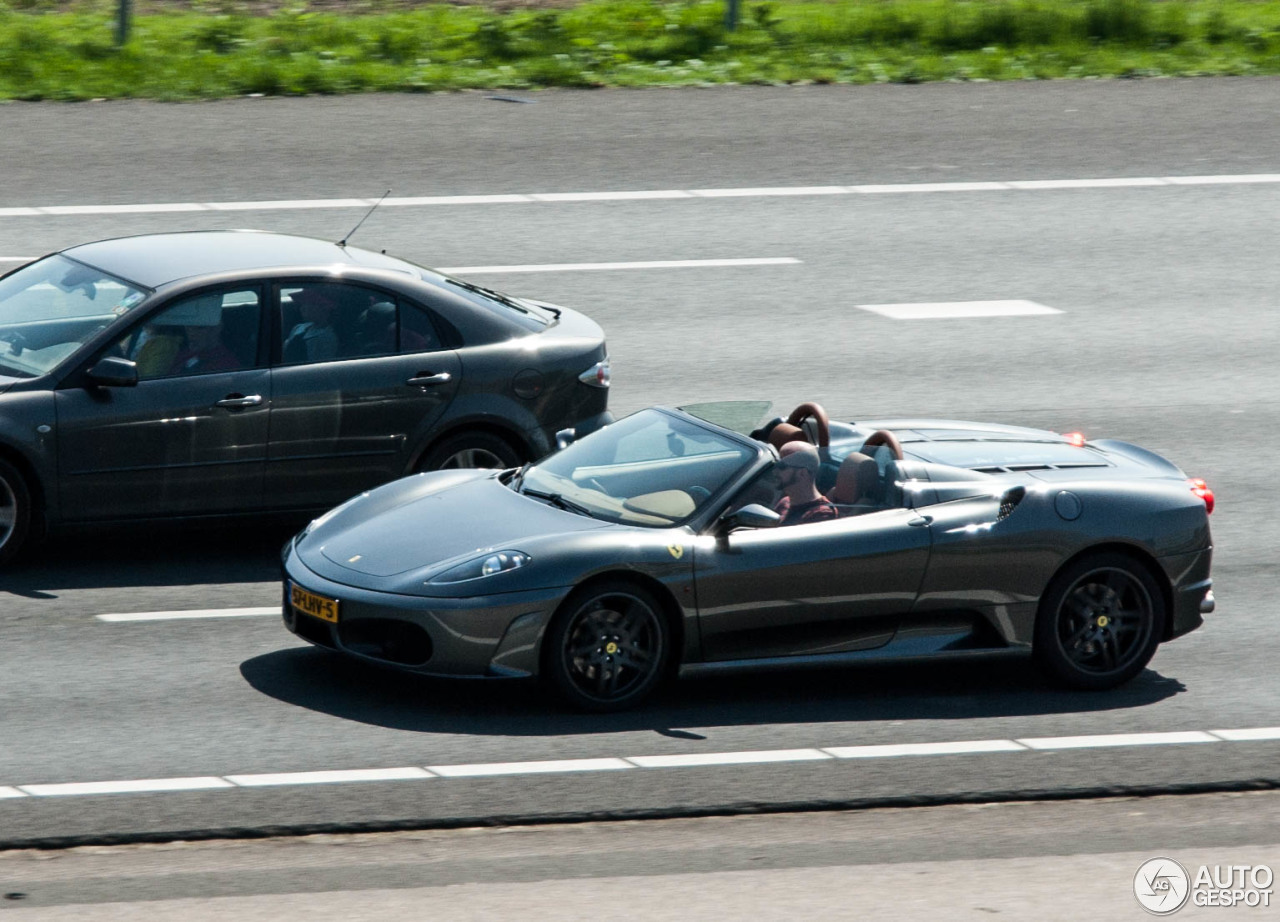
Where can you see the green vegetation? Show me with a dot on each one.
(50, 52)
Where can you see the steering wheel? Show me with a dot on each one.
(819, 416)
(886, 438)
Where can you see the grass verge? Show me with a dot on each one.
(70, 54)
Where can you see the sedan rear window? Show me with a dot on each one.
(50, 308)
(523, 313)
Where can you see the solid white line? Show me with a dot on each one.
(958, 310)
(601, 267)
(728, 758)
(16, 259)
(1117, 739)
(1016, 185)
(1248, 735)
(191, 615)
(147, 786)
(11, 792)
(924, 749)
(551, 766)
(330, 777)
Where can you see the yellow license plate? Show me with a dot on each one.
(317, 606)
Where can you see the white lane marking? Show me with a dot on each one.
(924, 749)
(649, 762)
(16, 259)
(550, 766)
(728, 758)
(602, 267)
(330, 777)
(191, 615)
(145, 786)
(1117, 739)
(951, 310)
(1248, 735)
(1015, 185)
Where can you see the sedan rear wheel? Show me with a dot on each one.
(1100, 622)
(470, 449)
(607, 648)
(15, 511)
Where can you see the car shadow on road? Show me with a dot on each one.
(322, 681)
(164, 555)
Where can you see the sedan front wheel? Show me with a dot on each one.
(15, 511)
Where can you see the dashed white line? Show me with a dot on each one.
(550, 766)
(924, 749)
(1250, 735)
(831, 754)
(147, 786)
(191, 615)
(952, 310)
(330, 777)
(16, 259)
(604, 267)
(729, 758)
(1013, 185)
(1117, 739)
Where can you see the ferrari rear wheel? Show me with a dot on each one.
(15, 511)
(1100, 622)
(607, 648)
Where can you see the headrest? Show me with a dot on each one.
(784, 433)
(857, 477)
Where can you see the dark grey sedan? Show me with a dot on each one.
(230, 372)
(667, 542)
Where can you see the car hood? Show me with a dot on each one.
(428, 523)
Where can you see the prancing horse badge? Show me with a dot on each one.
(677, 550)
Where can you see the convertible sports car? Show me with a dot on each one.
(667, 543)
(229, 372)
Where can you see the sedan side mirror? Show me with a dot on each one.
(751, 516)
(114, 371)
(565, 438)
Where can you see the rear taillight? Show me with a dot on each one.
(1075, 438)
(1201, 489)
(597, 375)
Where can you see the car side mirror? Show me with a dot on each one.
(750, 516)
(565, 438)
(114, 371)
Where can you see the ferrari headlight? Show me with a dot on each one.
(488, 565)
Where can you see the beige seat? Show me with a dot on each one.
(857, 481)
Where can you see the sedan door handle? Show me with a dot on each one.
(239, 401)
(921, 520)
(426, 379)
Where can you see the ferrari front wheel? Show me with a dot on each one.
(1100, 622)
(607, 648)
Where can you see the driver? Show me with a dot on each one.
(801, 502)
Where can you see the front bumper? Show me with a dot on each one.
(482, 636)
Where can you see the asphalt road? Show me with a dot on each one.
(1166, 337)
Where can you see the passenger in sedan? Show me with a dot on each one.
(801, 502)
(314, 339)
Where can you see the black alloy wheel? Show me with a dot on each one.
(15, 511)
(607, 648)
(1100, 622)
(470, 450)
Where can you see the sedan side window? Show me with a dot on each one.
(198, 334)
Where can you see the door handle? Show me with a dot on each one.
(239, 401)
(425, 379)
(921, 520)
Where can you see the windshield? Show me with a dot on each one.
(651, 469)
(50, 308)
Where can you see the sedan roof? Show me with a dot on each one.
(153, 260)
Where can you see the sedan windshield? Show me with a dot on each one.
(50, 308)
(651, 469)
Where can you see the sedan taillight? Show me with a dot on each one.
(597, 375)
(1201, 489)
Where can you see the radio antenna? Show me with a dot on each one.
(343, 241)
